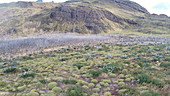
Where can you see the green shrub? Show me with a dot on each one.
(165, 64)
(85, 87)
(28, 75)
(75, 91)
(51, 85)
(21, 88)
(95, 73)
(10, 70)
(150, 93)
(98, 86)
(128, 79)
(143, 78)
(3, 84)
(94, 81)
(102, 83)
(57, 89)
(112, 75)
(96, 89)
(91, 85)
(78, 65)
(106, 81)
(107, 94)
(121, 83)
(167, 59)
(67, 81)
(43, 81)
(33, 94)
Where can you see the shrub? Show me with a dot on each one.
(121, 83)
(57, 89)
(43, 81)
(106, 81)
(52, 85)
(98, 86)
(121, 75)
(21, 88)
(33, 94)
(128, 79)
(96, 89)
(3, 83)
(165, 64)
(167, 59)
(102, 83)
(85, 87)
(112, 75)
(143, 78)
(91, 85)
(28, 75)
(150, 93)
(75, 91)
(106, 84)
(67, 81)
(109, 68)
(95, 94)
(95, 73)
(78, 65)
(94, 81)
(107, 94)
(10, 70)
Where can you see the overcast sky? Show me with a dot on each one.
(153, 6)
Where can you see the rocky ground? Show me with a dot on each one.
(10, 45)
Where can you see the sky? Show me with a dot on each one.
(153, 6)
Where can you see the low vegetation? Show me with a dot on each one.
(103, 69)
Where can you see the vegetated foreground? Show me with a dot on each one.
(119, 68)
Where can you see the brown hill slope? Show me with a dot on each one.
(81, 16)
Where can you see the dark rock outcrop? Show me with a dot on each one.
(92, 18)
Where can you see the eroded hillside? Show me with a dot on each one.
(81, 16)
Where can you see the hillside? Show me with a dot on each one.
(81, 16)
(83, 48)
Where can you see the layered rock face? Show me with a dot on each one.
(92, 18)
